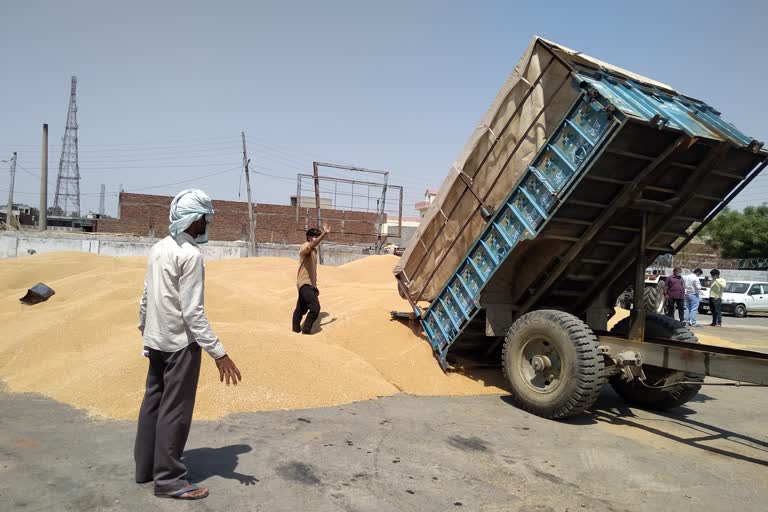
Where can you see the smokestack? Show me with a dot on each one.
(43, 224)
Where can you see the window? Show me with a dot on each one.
(737, 287)
(755, 290)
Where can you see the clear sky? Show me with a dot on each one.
(165, 87)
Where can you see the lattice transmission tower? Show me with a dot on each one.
(67, 198)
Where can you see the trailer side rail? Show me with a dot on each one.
(699, 358)
(554, 171)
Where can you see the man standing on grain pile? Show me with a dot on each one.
(174, 326)
(306, 281)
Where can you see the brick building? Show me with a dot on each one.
(147, 215)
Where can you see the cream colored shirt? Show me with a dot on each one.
(171, 313)
(307, 273)
(716, 288)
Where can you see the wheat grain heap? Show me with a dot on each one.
(82, 346)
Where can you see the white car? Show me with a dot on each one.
(743, 297)
(704, 295)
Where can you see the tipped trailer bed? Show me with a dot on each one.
(579, 177)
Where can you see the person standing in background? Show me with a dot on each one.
(716, 289)
(692, 293)
(674, 291)
(308, 302)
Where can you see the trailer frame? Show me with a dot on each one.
(698, 165)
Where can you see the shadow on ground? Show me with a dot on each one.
(321, 320)
(677, 425)
(203, 463)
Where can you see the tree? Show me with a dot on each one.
(739, 234)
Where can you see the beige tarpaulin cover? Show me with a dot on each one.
(497, 154)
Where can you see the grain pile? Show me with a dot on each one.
(82, 347)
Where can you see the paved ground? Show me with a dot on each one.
(750, 331)
(406, 453)
(413, 453)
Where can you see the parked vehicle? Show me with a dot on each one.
(743, 297)
(704, 295)
(653, 297)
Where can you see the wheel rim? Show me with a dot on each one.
(540, 365)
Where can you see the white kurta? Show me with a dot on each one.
(171, 313)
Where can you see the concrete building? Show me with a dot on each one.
(24, 215)
(429, 198)
(73, 224)
(408, 228)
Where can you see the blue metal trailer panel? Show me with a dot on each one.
(599, 113)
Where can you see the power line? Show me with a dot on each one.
(197, 178)
(147, 167)
(186, 142)
(28, 171)
(114, 154)
(187, 181)
(180, 156)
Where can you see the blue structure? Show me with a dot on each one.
(607, 104)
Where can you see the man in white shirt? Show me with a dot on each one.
(174, 327)
(692, 292)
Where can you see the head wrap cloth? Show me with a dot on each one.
(186, 208)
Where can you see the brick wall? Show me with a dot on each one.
(699, 254)
(147, 215)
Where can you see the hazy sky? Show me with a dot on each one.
(166, 87)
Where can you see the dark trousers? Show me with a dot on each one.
(716, 306)
(165, 418)
(308, 304)
(678, 304)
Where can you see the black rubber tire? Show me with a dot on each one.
(582, 368)
(740, 311)
(653, 300)
(658, 326)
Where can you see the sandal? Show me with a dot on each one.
(180, 494)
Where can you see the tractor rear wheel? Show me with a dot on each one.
(552, 363)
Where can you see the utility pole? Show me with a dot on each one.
(382, 214)
(43, 222)
(101, 200)
(9, 215)
(251, 221)
(316, 177)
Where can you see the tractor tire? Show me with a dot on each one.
(653, 300)
(552, 364)
(657, 326)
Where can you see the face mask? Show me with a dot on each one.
(203, 239)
